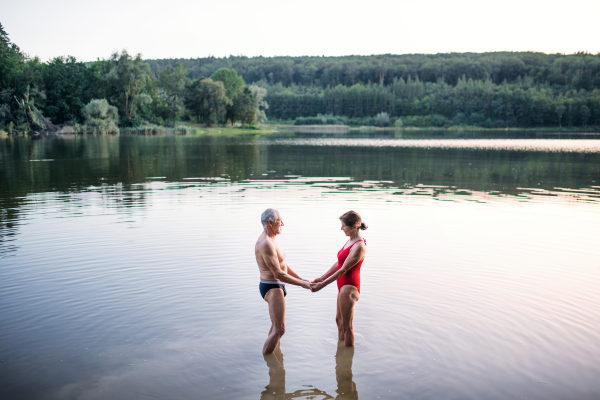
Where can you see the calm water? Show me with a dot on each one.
(127, 268)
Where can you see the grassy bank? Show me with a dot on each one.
(284, 126)
(202, 129)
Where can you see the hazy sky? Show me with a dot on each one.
(186, 28)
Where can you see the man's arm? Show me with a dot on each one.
(269, 256)
(357, 253)
(291, 272)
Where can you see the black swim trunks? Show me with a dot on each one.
(265, 286)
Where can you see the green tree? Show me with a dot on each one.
(260, 94)
(244, 108)
(233, 83)
(68, 85)
(128, 78)
(11, 60)
(173, 82)
(208, 101)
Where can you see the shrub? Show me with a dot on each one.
(398, 123)
(100, 117)
(382, 119)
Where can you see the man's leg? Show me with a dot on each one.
(276, 301)
(348, 297)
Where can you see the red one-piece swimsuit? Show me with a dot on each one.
(352, 276)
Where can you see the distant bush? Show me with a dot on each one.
(398, 123)
(382, 119)
(100, 117)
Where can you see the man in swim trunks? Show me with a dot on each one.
(274, 274)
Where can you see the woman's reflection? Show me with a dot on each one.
(346, 388)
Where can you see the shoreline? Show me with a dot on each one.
(266, 129)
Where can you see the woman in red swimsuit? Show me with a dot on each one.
(347, 273)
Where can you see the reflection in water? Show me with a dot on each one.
(276, 387)
(346, 388)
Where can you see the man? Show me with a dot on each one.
(274, 274)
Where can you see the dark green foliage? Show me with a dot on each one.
(502, 89)
(173, 82)
(579, 71)
(244, 108)
(207, 100)
(11, 60)
(69, 85)
(469, 102)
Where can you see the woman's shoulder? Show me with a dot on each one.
(361, 243)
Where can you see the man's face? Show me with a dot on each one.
(277, 224)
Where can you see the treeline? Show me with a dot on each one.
(493, 90)
(418, 103)
(121, 91)
(576, 71)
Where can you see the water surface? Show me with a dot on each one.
(127, 267)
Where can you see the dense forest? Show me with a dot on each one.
(121, 91)
(501, 89)
(493, 90)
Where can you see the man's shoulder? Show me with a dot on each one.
(265, 244)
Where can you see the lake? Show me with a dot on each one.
(127, 266)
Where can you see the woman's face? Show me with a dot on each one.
(348, 231)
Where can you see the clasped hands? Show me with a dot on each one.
(315, 285)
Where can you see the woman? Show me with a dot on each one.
(347, 273)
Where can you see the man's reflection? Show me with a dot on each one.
(346, 388)
(276, 387)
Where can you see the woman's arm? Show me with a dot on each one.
(357, 253)
(327, 274)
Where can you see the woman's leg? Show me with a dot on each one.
(347, 298)
(338, 319)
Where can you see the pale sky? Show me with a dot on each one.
(189, 29)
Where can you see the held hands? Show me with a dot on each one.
(314, 286)
(317, 286)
